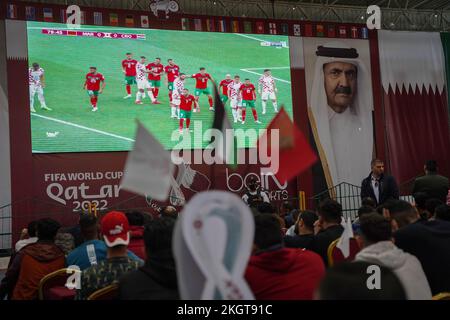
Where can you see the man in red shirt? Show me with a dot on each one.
(154, 76)
(248, 99)
(224, 86)
(201, 86)
(186, 107)
(129, 69)
(278, 273)
(92, 85)
(172, 71)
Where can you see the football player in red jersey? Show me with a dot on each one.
(92, 85)
(129, 69)
(201, 86)
(154, 76)
(186, 107)
(224, 85)
(248, 99)
(172, 71)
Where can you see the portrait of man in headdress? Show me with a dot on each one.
(340, 107)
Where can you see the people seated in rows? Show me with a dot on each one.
(157, 279)
(169, 212)
(92, 250)
(278, 273)
(304, 236)
(375, 239)
(429, 241)
(116, 234)
(27, 236)
(292, 227)
(327, 228)
(32, 263)
(349, 281)
(136, 245)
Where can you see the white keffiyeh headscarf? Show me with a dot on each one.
(344, 141)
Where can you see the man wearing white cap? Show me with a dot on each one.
(115, 231)
(340, 113)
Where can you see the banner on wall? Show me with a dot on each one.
(340, 104)
(66, 180)
(415, 101)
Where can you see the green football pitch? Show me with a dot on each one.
(71, 126)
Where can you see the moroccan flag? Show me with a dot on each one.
(308, 30)
(331, 31)
(248, 27)
(113, 19)
(295, 154)
(319, 30)
(259, 27)
(184, 24)
(129, 21)
(48, 14)
(413, 76)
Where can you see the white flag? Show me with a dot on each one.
(344, 240)
(149, 167)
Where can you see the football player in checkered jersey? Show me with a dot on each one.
(268, 91)
(142, 82)
(37, 84)
(235, 97)
(178, 86)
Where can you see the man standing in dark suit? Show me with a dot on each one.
(433, 184)
(378, 186)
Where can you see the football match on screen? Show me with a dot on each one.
(93, 83)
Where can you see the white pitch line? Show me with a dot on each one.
(254, 38)
(260, 74)
(83, 127)
(272, 68)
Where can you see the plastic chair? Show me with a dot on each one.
(110, 292)
(335, 254)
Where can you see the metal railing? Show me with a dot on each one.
(348, 195)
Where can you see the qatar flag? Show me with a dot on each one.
(415, 102)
